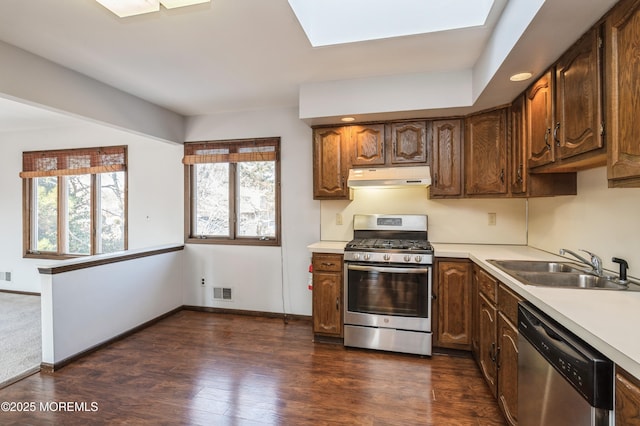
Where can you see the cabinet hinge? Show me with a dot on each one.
(599, 42)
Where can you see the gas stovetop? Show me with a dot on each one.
(389, 244)
(390, 239)
(389, 251)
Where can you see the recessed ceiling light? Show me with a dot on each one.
(348, 119)
(522, 76)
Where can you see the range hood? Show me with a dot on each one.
(389, 177)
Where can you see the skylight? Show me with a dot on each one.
(328, 22)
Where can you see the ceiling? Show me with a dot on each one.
(234, 55)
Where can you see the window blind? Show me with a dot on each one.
(231, 152)
(66, 162)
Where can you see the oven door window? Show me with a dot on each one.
(399, 291)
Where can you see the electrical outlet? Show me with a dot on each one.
(492, 219)
(338, 218)
(202, 281)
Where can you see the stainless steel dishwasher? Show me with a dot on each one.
(561, 379)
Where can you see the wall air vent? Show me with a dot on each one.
(221, 293)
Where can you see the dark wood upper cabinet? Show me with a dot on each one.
(564, 119)
(539, 113)
(622, 100)
(579, 126)
(445, 145)
(485, 154)
(367, 145)
(408, 143)
(518, 175)
(330, 164)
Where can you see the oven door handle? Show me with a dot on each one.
(388, 269)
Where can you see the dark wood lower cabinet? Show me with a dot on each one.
(327, 294)
(508, 369)
(487, 342)
(495, 339)
(627, 399)
(452, 313)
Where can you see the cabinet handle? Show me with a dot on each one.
(337, 304)
(502, 176)
(498, 357)
(546, 138)
(519, 174)
(327, 264)
(555, 134)
(435, 179)
(492, 355)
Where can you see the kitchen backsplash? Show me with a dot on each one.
(450, 221)
(599, 219)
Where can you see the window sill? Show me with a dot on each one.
(238, 242)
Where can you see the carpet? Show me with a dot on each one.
(20, 334)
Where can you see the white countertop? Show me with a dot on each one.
(327, 247)
(606, 319)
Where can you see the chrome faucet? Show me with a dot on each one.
(595, 263)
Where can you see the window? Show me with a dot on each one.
(74, 201)
(234, 191)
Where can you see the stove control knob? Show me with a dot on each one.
(367, 256)
(356, 256)
(407, 258)
(418, 258)
(386, 256)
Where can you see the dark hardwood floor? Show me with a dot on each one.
(220, 369)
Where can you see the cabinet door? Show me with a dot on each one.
(367, 145)
(330, 163)
(454, 304)
(475, 315)
(578, 108)
(627, 399)
(487, 345)
(539, 110)
(485, 155)
(518, 175)
(508, 369)
(445, 143)
(622, 74)
(408, 143)
(327, 303)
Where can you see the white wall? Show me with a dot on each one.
(599, 219)
(155, 198)
(450, 221)
(86, 307)
(267, 279)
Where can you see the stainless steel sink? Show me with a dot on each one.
(559, 274)
(537, 266)
(550, 279)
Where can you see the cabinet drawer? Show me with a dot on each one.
(327, 262)
(487, 285)
(508, 303)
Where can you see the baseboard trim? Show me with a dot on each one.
(247, 313)
(50, 368)
(25, 293)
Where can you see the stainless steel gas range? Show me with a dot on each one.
(388, 284)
